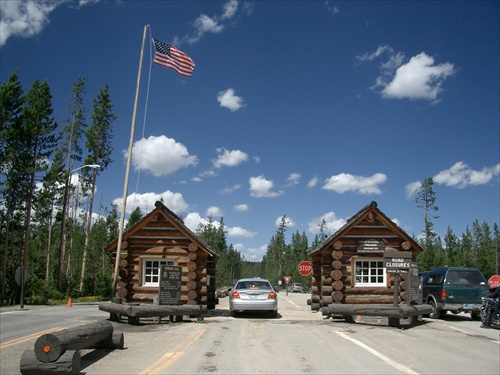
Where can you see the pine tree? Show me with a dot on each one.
(71, 137)
(99, 136)
(11, 104)
(134, 217)
(39, 144)
(426, 200)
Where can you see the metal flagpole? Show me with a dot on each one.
(127, 172)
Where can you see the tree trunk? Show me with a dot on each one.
(51, 346)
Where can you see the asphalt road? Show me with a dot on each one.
(298, 341)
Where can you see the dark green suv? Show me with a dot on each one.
(454, 289)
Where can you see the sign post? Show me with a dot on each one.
(287, 280)
(396, 262)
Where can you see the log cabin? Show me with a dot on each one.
(162, 238)
(348, 266)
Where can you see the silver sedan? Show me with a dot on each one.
(253, 294)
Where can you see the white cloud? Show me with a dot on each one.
(228, 158)
(412, 188)
(192, 220)
(333, 223)
(419, 78)
(216, 24)
(205, 24)
(293, 179)
(345, 182)
(230, 9)
(288, 222)
(381, 50)
(229, 100)
(213, 211)
(146, 202)
(313, 182)
(252, 254)
(460, 175)
(243, 207)
(230, 189)
(331, 8)
(262, 188)
(28, 18)
(239, 232)
(160, 155)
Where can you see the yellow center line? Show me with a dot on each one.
(168, 358)
(28, 337)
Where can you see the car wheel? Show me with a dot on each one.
(232, 313)
(273, 314)
(475, 316)
(436, 313)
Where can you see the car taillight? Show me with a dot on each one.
(443, 294)
(235, 295)
(271, 295)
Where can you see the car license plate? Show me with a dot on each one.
(253, 296)
(469, 306)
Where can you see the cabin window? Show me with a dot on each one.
(151, 270)
(370, 272)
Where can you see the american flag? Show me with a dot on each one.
(170, 57)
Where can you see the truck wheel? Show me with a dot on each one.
(436, 313)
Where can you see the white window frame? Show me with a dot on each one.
(151, 271)
(370, 272)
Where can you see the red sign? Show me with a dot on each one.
(494, 281)
(305, 268)
(287, 279)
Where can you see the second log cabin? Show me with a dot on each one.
(348, 266)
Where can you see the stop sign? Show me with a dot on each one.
(494, 281)
(305, 268)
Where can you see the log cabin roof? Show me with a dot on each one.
(174, 220)
(381, 218)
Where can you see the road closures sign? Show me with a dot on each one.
(305, 268)
(494, 281)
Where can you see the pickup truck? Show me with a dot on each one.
(454, 289)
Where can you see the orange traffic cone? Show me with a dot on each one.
(69, 302)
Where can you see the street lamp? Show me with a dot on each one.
(63, 223)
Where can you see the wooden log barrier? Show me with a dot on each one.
(115, 341)
(49, 347)
(68, 363)
(149, 311)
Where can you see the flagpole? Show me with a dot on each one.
(127, 171)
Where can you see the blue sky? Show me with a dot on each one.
(306, 109)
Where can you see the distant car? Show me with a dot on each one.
(298, 288)
(253, 294)
(454, 289)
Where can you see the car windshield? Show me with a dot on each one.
(253, 285)
(459, 277)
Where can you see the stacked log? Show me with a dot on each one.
(316, 284)
(58, 352)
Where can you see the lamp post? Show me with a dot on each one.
(63, 223)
